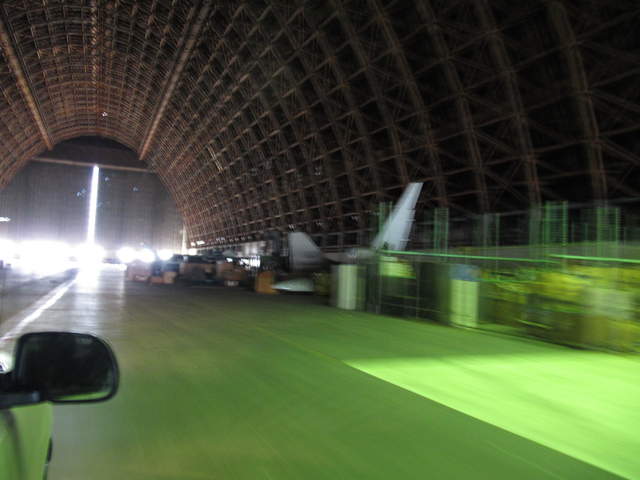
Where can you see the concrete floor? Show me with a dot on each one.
(226, 384)
(20, 288)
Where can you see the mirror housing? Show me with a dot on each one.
(63, 367)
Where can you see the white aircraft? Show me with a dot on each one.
(306, 256)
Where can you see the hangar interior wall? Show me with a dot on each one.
(135, 209)
(46, 202)
(50, 202)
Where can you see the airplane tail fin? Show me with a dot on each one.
(304, 254)
(395, 231)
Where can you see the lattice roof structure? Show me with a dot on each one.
(273, 115)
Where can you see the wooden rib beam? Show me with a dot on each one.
(501, 56)
(185, 48)
(75, 163)
(586, 117)
(427, 14)
(23, 83)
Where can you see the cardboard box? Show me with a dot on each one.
(169, 277)
(195, 272)
(138, 272)
(222, 267)
(264, 282)
(236, 275)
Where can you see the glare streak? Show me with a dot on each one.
(93, 206)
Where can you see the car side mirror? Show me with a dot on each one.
(65, 367)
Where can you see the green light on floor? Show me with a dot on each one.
(548, 396)
(469, 257)
(595, 259)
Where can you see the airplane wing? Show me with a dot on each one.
(395, 231)
(304, 254)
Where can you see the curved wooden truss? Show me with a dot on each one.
(275, 115)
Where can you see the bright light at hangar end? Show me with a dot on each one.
(93, 206)
(164, 254)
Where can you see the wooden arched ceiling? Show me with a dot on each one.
(262, 115)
